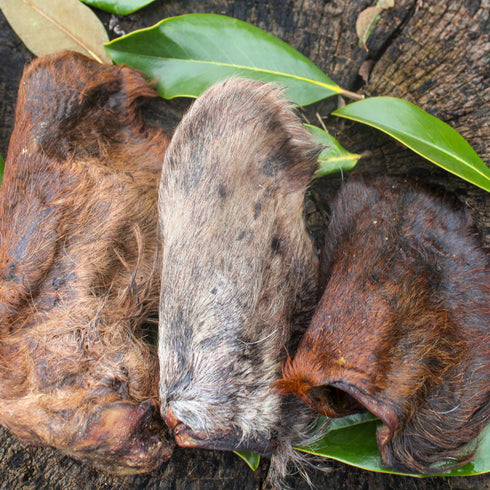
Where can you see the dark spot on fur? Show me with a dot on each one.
(182, 359)
(241, 236)
(276, 245)
(194, 178)
(214, 291)
(269, 168)
(176, 323)
(211, 342)
(257, 209)
(222, 191)
(58, 281)
(120, 387)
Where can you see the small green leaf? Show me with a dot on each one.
(121, 7)
(352, 440)
(251, 458)
(423, 133)
(333, 158)
(189, 53)
(2, 165)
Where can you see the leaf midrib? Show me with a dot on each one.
(334, 88)
(63, 29)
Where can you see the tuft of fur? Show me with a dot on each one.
(403, 327)
(79, 265)
(239, 272)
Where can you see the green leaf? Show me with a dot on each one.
(2, 165)
(121, 7)
(333, 158)
(251, 458)
(188, 54)
(51, 26)
(423, 133)
(352, 440)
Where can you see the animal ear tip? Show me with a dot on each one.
(282, 386)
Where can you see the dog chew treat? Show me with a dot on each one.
(402, 329)
(79, 266)
(239, 272)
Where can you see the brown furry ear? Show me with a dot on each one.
(402, 327)
(79, 266)
(68, 108)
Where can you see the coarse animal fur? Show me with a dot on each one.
(239, 271)
(79, 266)
(403, 327)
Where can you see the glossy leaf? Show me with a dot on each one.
(121, 7)
(352, 440)
(188, 54)
(51, 26)
(251, 458)
(423, 133)
(333, 158)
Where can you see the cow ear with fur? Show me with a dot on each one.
(402, 326)
(79, 260)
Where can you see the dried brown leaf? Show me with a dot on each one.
(50, 26)
(385, 4)
(365, 70)
(365, 22)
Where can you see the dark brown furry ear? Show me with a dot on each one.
(402, 327)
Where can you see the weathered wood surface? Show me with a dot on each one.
(435, 54)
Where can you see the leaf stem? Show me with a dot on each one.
(66, 31)
(351, 95)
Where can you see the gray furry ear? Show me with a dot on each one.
(239, 271)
